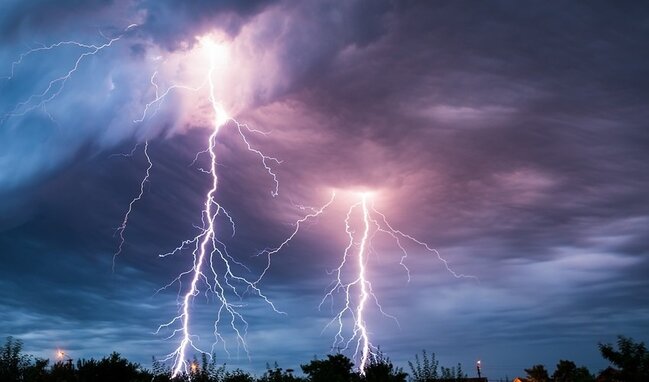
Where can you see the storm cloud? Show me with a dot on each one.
(510, 136)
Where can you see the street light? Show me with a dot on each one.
(477, 365)
(60, 354)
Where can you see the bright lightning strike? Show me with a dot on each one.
(361, 283)
(365, 286)
(357, 292)
(212, 264)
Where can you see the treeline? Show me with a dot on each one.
(15, 366)
(629, 363)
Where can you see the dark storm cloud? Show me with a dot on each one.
(19, 18)
(174, 23)
(513, 138)
(528, 130)
(501, 117)
(302, 38)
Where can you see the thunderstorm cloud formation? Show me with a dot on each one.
(511, 137)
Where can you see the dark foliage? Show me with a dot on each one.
(424, 369)
(336, 368)
(276, 374)
(567, 371)
(631, 360)
(427, 369)
(381, 369)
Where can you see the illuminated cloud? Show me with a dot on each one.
(510, 138)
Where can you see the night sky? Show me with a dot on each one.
(510, 136)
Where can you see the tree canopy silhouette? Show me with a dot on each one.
(537, 373)
(567, 371)
(336, 368)
(631, 359)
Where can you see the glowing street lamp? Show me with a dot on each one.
(61, 355)
(478, 365)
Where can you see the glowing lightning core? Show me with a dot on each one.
(209, 250)
(208, 235)
(360, 321)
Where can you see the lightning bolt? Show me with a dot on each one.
(365, 288)
(160, 97)
(212, 264)
(56, 85)
(358, 292)
(360, 332)
(270, 252)
(120, 230)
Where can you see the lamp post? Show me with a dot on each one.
(60, 354)
(477, 365)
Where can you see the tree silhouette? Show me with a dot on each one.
(427, 369)
(277, 374)
(631, 359)
(37, 372)
(537, 373)
(206, 370)
(453, 373)
(237, 375)
(381, 369)
(12, 361)
(567, 371)
(336, 368)
(108, 369)
(424, 370)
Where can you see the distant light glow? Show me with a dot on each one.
(218, 55)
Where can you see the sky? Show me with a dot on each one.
(512, 137)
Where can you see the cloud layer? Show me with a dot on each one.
(511, 138)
